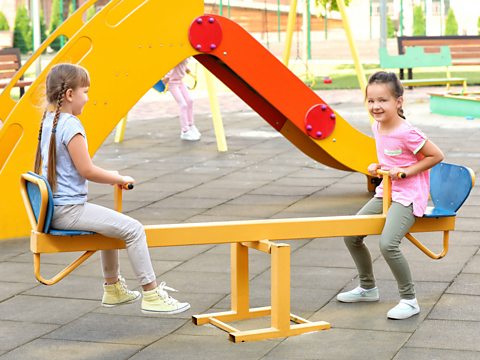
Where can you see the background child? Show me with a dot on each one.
(401, 148)
(179, 91)
(62, 154)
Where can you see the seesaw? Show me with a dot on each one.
(450, 186)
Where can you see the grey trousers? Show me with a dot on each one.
(107, 222)
(399, 220)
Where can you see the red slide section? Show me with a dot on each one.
(278, 95)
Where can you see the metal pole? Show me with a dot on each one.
(401, 18)
(279, 24)
(62, 39)
(442, 5)
(309, 30)
(371, 14)
(292, 17)
(37, 38)
(220, 8)
(383, 23)
(228, 7)
(353, 49)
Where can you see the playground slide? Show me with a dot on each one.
(126, 48)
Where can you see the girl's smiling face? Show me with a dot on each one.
(382, 104)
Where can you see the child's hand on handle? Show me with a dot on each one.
(372, 169)
(127, 183)
(398, 173)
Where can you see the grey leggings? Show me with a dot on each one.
(105, 221)
(399, 220)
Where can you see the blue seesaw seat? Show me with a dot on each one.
(35, 198)
(450, 186)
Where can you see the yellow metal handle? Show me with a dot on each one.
(384, 173)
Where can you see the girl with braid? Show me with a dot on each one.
(401, 149)
(62, 155)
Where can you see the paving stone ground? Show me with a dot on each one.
(261, 176)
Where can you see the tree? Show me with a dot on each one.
(451, 26)
(419, 23)
(478, 25)
(328, 6)
(22, 31)
(390, 28)
(55, 20)
(3, 22)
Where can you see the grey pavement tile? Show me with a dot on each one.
(156, 214)
(253, 200)
(207, 347)
(17, 333)
(178, 253)
(178, 202)
(456, 307)
(473, 266)
(465, 284)
(23, 272)
(373, 316)
(117, 329)
(12, 248)
(432, 334)
(41, 349)
(214, 262)
(274, 189)
(10, 289)
(408, 353)
(94, 269)
(254, 211)
(199, 282)
(72, 287)
(345, 344)
(47, 310)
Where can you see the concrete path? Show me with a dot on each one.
(261, 176)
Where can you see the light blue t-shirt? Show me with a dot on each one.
(72, 188)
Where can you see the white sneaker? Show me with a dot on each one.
(404, 309)
(189, 135)
(196, 131)
(359, 294)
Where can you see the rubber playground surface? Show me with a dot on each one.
(261, 176)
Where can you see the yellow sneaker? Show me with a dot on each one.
(157, 301)
(118, 294)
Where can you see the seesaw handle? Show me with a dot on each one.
(401, 175)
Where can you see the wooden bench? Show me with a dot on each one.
(10, 63)
(415, 56)
(450, 186)
(464, 50)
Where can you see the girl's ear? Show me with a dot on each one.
(69, 95)
(399, 102)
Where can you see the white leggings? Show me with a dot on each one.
(180, 93)
(107, 222)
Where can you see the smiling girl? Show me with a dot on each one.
(401, 149)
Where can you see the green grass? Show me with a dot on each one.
(344, 77)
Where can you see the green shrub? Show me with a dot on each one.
(91, 11)
(390, 28)
(22, 31)
(3, 22)
(451, 26)
(419, 24)
(55, 20)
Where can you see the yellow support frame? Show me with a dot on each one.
(242, 235)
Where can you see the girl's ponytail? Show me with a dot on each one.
(52, 149)
(38, 155)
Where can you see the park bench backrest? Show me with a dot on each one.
(450, 186)
(9, 62)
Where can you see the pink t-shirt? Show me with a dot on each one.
(400, 149)
(176, 75)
